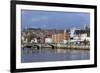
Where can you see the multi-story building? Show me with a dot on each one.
(60, 37)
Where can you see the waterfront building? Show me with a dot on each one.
(79, 35)
(60, 37)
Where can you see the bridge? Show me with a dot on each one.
(39, 45)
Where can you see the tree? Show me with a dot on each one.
(86, 42)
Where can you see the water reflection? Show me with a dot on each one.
(48, 54)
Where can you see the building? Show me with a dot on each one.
(60, 37)
(48, 40)
(57, 37)
(79, 35)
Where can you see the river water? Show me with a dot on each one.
(46, 54)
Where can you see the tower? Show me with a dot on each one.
(72, 31)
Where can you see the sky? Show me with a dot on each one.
(53, 19)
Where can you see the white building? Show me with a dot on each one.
(48, 40)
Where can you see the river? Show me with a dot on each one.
(46, 54)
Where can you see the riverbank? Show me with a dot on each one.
(57, 46)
